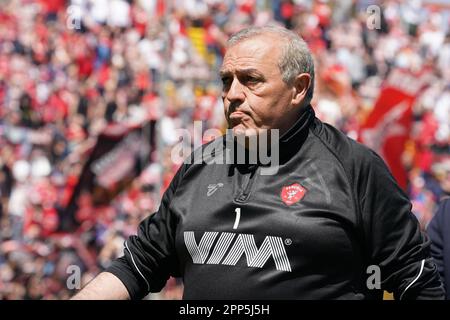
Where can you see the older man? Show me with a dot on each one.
(330, 224)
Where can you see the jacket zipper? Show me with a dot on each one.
(244, 195)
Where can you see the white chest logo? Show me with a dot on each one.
(244, 244)
(213, 188)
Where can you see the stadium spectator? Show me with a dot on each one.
(439, 231)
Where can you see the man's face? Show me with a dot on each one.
(254, 93)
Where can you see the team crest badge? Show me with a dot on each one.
(292, 194)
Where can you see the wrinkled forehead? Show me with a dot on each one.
(259, 52)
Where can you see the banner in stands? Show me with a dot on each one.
(388, 126)
(118, 157)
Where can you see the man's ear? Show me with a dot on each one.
(301, 86)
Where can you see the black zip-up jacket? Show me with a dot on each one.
(328, 225)
(439, 232)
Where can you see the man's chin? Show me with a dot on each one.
(248, 137)
(242, 131)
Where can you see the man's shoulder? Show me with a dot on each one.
(347, 150)
(209, 152)
(444, 207)
(196, 162)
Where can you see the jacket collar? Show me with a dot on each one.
(291, 141)
(300, 126)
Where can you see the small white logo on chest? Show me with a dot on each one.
(213, 188)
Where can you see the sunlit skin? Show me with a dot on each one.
(254, 93)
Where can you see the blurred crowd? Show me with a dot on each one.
(69, 69)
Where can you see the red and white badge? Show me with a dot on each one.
(292, 194)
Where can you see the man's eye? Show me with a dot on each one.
(226, 81)
(251, 80)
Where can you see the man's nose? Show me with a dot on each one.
(236, 91)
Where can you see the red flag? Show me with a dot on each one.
(119, 156)
(388, 126)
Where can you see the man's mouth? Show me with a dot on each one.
(237, 117)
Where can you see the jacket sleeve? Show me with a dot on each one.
(435, 231)
(393, 239)
(149, 257)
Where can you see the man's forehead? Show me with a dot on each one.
(251, 55)
(259, 45)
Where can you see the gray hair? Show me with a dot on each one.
(295, 59)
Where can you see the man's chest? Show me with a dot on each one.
(250, 220)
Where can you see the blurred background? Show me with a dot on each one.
(92, 94)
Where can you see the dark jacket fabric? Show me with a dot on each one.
(328, 225)
(439, 233)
